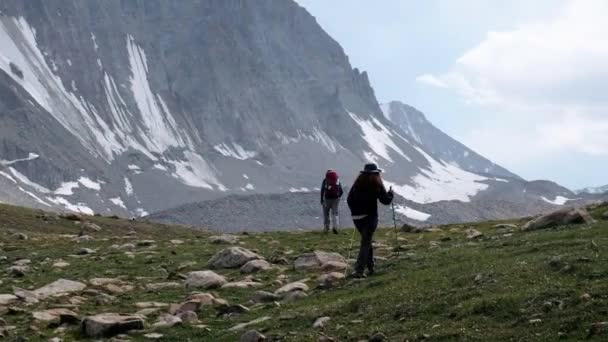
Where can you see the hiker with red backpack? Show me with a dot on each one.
(331, 192)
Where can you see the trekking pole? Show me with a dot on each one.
(395, 226)
(352, 239)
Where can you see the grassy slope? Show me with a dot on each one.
(426, 290)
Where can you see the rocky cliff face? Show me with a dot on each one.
(130, 107)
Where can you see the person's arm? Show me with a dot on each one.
(340, 190)
(385, 197)
(322, 191)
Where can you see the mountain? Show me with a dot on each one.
(133, 107)
(415, 126)
(593, 190)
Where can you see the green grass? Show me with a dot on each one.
(484, 290)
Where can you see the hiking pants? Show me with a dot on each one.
(330, 206)
(366, 227)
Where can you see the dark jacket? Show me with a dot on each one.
(366, 203)
(324, 188)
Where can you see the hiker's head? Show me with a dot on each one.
(368, 182)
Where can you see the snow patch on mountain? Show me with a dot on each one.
(441, 181)
(559, 200)
(118, 201)
(234, 151)
(88, 183)
(79, 208)
(31, 156)
(23, 179)
(128, 186)
(66, 188)
(412, 213)
(378, 137)
(194, 171)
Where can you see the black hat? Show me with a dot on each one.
(371, 168)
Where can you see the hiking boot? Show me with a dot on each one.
(358, 275)
(371, 273)
(335, 231)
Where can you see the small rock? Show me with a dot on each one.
(264, 297)
(162, 286)
(295, 286)
(22, 262)
(320, 322)
(473, 233)
(224, 239)
(147, 312)
(294, 296)
(85, 251)
(60, 264)
(20, 236)
(25, 295)
(252, 336)
(605, 216)
(505, 226)
(205, 279)
(190, 305)
(56, 316)
(188, 317)
(110, 324)
(256, 266)
(145, 305)
(242, 326)
(167, 321)
(153, 336)
(205, 299)
(145, 243)
(176, 242)
(231, 309)
(378, 337)
(535, 321)
(18, 271)
(242, 285)
(586, 297)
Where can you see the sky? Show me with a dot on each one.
(521, 82)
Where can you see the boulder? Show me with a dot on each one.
(92, 227)
(560, 217)
(205, 299)
(205, 279)
(264, 297)
(242, 285)
(110, 324)
(232, 257)
(256, 266)
(58, 287)
(294, 296)
(224, 239)
(406, 228)
(25, 295)
(295, 286)
(330, 279)
(56, 316)
(252, 336)
(320, 261)
(188, 317)
(167, 321)
(8, 299)
(473, 233)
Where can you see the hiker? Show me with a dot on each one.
(362, 200)
(331, 192)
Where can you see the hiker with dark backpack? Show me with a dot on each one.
(362, 200)
(331, 192)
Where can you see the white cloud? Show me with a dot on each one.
(548, 76)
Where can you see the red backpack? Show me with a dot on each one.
(332, 184)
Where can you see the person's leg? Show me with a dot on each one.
(366, 244)
(373, 224)
(362, 257)
(326, 208)
(335, 214)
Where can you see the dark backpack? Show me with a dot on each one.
(332, 184)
